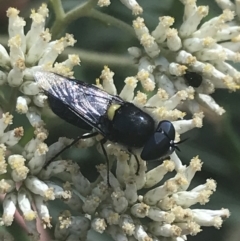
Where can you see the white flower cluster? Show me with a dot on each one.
(207, 50)
(162, 211)
(24, 182)
(30, 52)
(22, 175)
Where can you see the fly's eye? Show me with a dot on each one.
(160, 130)
(167, 128)
(161, 143)
(156, 147)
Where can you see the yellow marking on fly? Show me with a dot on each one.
(111, 111)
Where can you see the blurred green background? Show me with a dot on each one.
(217, 142)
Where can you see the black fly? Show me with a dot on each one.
(88, 107)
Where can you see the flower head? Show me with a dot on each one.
(171, 55)
(135, 194)
(21, 181)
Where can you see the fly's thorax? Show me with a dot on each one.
(130, 125)
(112, 110)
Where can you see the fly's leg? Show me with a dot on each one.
(68, 146)
(102, 142)
(138, 163)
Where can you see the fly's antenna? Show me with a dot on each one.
(181, 141)
(175, 145)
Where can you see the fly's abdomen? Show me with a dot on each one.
(61, 110)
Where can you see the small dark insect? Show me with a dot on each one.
(193, 79)
(87, 107)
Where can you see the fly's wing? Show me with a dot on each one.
(83, 100)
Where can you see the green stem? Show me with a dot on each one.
(63, 19)
(80, 11)
(3, 103)
(12, 100)
(84, 10)
(58, 9)
(110, 20)
(99, 58)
